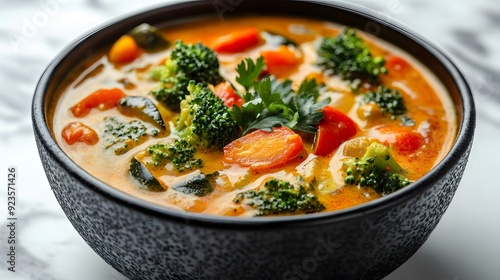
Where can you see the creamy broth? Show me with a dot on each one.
(426, 100)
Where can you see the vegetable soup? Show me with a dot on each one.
(254, 116)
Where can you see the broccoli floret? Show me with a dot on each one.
(205, 120)
(180, 153)
(281, 197)
(199, 185)
(123, 136)
(187, 62)
(376, 169)
(388, 100)
(347, 55)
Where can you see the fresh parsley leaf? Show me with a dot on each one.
(249, 71)
(271, 103)
(266, 123)
(284, 88)
(309, 86)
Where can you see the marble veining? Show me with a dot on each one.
(464, 245)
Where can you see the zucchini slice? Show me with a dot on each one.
(148, 37)
(141, 107)
(141, 173)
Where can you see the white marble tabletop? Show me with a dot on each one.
(465, 244)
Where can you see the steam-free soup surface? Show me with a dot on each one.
(417, 139)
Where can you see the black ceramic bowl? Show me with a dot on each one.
(146, 241)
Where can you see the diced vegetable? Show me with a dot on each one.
(237, 41)
(186, 63)
(396, 64)
(148, 37)
(334, 129)
(226, 92)
(103, 99)
(78, 132)
(377, 169)
(124, 50)
(403, 138)
(141, 173)
(199, 185)
(261, 150)
(280, 59)
(204, 121)
(180, 153)
(349, 56)
(356, 147)
(390, 101)
(281, 197)
(141, 107)
(121, 135)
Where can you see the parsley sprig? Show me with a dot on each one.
(270, 103)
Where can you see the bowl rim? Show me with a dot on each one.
(463, 138)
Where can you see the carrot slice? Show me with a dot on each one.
(279, 60)
(261, 150)
(103, 98)
(402, 138)
(237, 41)
(334, 129)
(226, 92)
(78, 132)
(124, 50)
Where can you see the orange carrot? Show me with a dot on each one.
(402, 138)
(124, 50)
(103, 98)
(226, 92)
(78, 132)
(334, 129)
(281, 59)
(261, 150)
(237, 41)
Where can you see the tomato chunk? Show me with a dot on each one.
(226, 92)
(124, 50)
(261, 150)
(396, 63)
(103, 98)
(78, 132)
(334, 129)
(237, 41)
(402, 138)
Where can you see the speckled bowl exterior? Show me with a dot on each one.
(146, 241)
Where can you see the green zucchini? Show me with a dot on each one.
(141, 107)
(149, 38)
(141, 173)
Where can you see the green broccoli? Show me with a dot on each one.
(180, 153)
(348, 55)
(388, 100)
(281, 197)
(205, 120)
(123, 136)
(376, 169)
(187, 62)
(199, 185)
